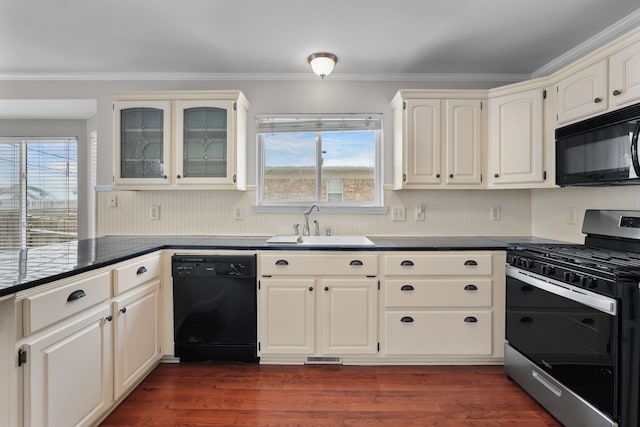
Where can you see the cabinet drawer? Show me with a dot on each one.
(136, 273)
(438, 293)
(349, 264)
(46, 308)
(440, 332)
(445, 264)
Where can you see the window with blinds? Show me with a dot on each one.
(332, 160)
(38, 192)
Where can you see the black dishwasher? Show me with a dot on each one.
(214, 307)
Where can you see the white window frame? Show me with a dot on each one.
(321, 124)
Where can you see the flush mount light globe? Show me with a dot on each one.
(322, 63)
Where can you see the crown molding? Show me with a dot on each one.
(606, 36)
(382, 77)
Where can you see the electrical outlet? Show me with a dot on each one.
(495, 213)
(154, 212)
(112, 201)
(420, 212)
(397, 213)
(572, 216)
(237, 212)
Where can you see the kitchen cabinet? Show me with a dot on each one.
(517, 138)
(136, 321)
(66, 351)
(624, 76)
(582, 94)
(180, 139)
(136, 336)
(438, 138)
(8, 371)
(605, 85)
(317, 305)
(67, 373)
(442, 307)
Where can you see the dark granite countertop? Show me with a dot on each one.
(32, 267)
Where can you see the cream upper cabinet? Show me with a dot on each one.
(170, 140)
(516, 139)
(624, 76)
(438, 138)
(582, 94)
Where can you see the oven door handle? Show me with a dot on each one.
(599, 302)
(634, 149)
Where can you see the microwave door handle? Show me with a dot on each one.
(634, 149)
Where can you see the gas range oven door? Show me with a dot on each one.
(569, 337)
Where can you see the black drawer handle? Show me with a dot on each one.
(470, 262)
(471, 288)
(123, 310)
(470, 319)
(141, 270)
(407, 319)
(407, 288)
(526, 319)
(109, 318)
(356, 262)
(616, 92)
(75, 295)
(282, 262)
(597, 100)
(406, 263)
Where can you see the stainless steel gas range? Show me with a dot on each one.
(573, 322)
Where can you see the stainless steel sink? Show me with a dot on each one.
(322, 240)
(336, 241)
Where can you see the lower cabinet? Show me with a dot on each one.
(317, 316)
(68, 373)
(136, 336)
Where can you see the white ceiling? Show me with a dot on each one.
(394, 38)
(419, 40)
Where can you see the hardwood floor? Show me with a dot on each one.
(328, 395)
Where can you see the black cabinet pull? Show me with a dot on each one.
(356, 262)
(407, 319)
(404, 177)
(178, 176)
(75, 295)
(437, 175)
(141, 270)
(496, 175)
(164, 176)
(326, 288)
(526, 319)
(470, 262)
(282, 262)
(471, 288)
(123, 310)
(470, 319)
(109, 318)
(450, 175)
(310, 288)
(616, 92)
(406, 263)
(597, 100)
(407, 288)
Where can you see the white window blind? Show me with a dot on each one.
(38, 192)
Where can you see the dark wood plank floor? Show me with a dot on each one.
(321, 395)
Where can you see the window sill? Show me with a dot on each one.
(337, 210)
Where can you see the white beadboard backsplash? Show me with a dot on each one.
(188, 212)
(550, 208)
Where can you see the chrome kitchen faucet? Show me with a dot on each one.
(305, 227)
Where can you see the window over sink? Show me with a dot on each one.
(333, 160)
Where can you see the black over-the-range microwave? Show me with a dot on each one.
(602, 150)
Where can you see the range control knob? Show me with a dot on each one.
(548, 270)
(529, 263)
(570, 276)
(515, 261)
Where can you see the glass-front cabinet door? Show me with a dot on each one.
(142, 142)
(204, 152)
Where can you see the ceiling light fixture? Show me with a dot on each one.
(322, 63)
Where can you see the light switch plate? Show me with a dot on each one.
(154, 212)
(495, 213)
